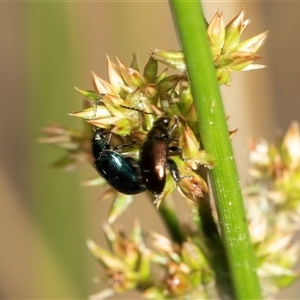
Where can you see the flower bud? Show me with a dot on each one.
(150, 70)
(171, 58)
(177, 284)
(216, 33)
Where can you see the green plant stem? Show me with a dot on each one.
(215, 138)
(213, 242)
(170, 218)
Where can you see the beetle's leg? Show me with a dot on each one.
(96, 102)
(173, 169)
(175, 150)
(108, 139)
(124, 146)
(172, 128)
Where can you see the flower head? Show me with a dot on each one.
(129, 104)
(229, 53)
(75, 143)
(127, 264)
(186, 271)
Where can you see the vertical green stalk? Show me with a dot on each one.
(215, 138)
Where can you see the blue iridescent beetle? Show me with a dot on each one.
(122, 173)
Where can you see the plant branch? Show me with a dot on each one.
(170, 218)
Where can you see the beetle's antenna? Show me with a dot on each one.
(137, 109)
(95, 106)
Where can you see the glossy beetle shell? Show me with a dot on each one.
(153, 156)
(120, 172)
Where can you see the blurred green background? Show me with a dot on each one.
(46, 49)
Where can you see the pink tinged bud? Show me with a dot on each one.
(102, 86)
(94, 112)
(171, 58)
(127, 251)
(150, 91)
(259, 229)
(113, 105)
(192, 185)
(137, 78)
(193, 256)
(132, 77)
(236, 22)
(121, 281)
(104, 122)
(253, 67)
(115, 76)
(253, 44)
(177, 283)
(233, 31)
(188, 143)
(162, 243)
(106, 258)
(240, 60)
(216, 33)
(259, 154)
